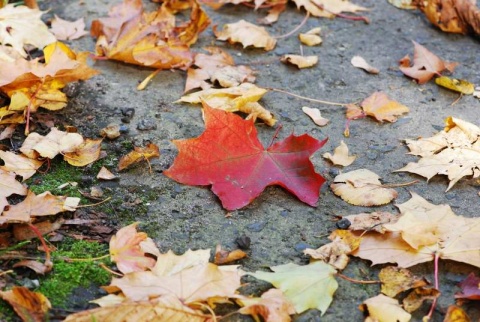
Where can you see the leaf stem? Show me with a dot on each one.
(352, 280)
(68, 259)
(434, 303)
(102, 265)
(288, 34)
(275, 135)
(147, 80)
(94, 204)
(396, 185)
(304, 97)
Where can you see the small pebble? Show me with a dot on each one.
(343, 223)
(257, 226)
(300, 247)
(146, 124)
(243, 242)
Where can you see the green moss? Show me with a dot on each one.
(6, 312)
(66, 276)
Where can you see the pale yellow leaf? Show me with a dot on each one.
(300, 61)
(247, 34)
(382, 308)
(340, 155)
(360, 62)
(311, 37)
(315, 115)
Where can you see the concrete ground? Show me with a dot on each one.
(180, 217)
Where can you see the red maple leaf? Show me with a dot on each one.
(229, 156)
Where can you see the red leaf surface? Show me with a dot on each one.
(229, 156)
(470, 288)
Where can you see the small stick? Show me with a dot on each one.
(102, 265)
(434, 303)
(94, 204)
(396, 185)
(295, 29)
(147, 80)
(357, 281)
(304, 98)
(68, 259)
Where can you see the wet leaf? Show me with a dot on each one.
(396, 280)
(247, 34)
(308, 287)
(362, 188)
(30, 306)
(456, 85)
(239, 168)
(68, 30)
(272, 306)
(139, 154)
(340, 156)
(383, 308)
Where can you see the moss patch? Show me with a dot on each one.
(66, 276)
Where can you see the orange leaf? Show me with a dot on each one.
(30, 306)
(382, 108)
(273, 306)
(247, 34)
(225, 257)
(139, 154)
(89, 151)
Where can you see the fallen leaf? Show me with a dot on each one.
(111, 131)
(20, 26)
(243, 98)
(224, 256)
(315, 115)
(470, 288)
(87, 152)
(453, 152)
(426, 65)
(371, 221)
(456, 314)
(416, 297)
(328, 8)
(308, 287)
(229, 156)
(396, 280)
(9, 186)
(311, 37)
(68, 30)
(382, 108)
(24, 232)
(7, 132)
(163, 309)
(55, 142)
(19, 164)
(272, 306)
(139, 154)
(247, 34)
(362, 188)
(105, 174)
(273, 14)
(340, 156)
(126, 252)
(456, 85)
(300, 61)
(36, 266)
(360, 62)
(354, 112)
(383, 309)
(149, 39)
(404, 4)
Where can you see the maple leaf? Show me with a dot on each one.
(139, 154)
(126, 251)
(328, 8)
(229, 156)
(68, 30)
(382, 108)
(454, 152)
(307, 287)
(425, 65)
(362, 188)
(300, 61)
(315, 115)
(384, 308)
(247, 34)
(340, 155)
(243, 98)
(470, 288)
(20, 25)
(9, 186)
(396, 280)
(273, 306)
(30, 306)
(19, 164)
(149, 38)
(169, 263)
(423, 232)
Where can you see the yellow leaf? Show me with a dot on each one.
(21, 165)
(87, 152)
(379, 106)
(457, 85)
(396, 280)
(340, 155)
(300, 61)
(247, 34)
(138, 155)
(273, 306)
(382, 308)
(311, 37)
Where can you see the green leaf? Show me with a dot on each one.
(307, 287)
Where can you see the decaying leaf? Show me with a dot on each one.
(340, 155)
(68, 30)
(127, 252)
(328, 8)
(9, 186)
(272, 306)
(454, 152)
(247, 34)
(382, 108)
(36, 266)
(224, 256)
(30, 306)
(456, 314)
(229, 156)
(336, 253)
(111, 131)
(19, 164)
(20, 26)
(362, 188)
(308, 287)
(417, 296)
(425, 65)
(360, 62)
(470, 288)
(243, 98)
(371, 222)
(87, 152)
(315, 115)
(384, 308)
(105, 174)
(139, 154)
(23, 231)
(55, 142)
(311, 37)
(149, 39)
(423, 231)
(300, 61)
(456, 85)
(396, 280)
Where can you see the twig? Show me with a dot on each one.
(263, 6)
(275, 135)
(147, 80)
(6, 272)
(295, 29)
(357, 281)
(102, 265)
(396, 185)
(94, 204)
(68, 259)
(305, 98)
(458, 99)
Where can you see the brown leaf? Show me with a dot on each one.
(139, 154)
(300, 61)
(247, 34)
(30, 306)
(36, 266)
(416, 297)
(24, 232)
(272, 306)
(384, 308)
(425, 65)
(396, 280)
(382, 108)
(224, 256)
(19, 164)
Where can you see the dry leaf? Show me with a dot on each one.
(311, 37)
(55, 142)
(456, 85)
(30, 306)
(36, 266)
(105, 174)
(243, 98)
(360, 62)
(247, 34)
(425, 65)
(9, 186)
(23, 231)
(362, 188)
(111, 131)
(273, 14)
(384, 309)
(456, 314)
(68, 30)
(87, 152)
(328, 8)
(382, 108)
(19, 164)
(340, 156)
(416, 297)
(454, 152)
(272, 306)
(404, 4)
(139, 154)
(225, 257)
(170, 264)
(315, 115)
(470, 288)
(371, 222)
(396, 280)
(300, 61)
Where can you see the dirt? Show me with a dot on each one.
(180, 217)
